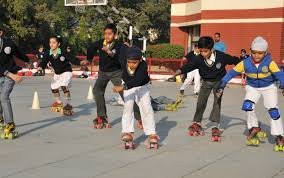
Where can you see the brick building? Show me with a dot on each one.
(238, 21)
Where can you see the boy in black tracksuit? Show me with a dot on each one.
(108, 50)
(211, 65)
(136, 89)
(8, 78)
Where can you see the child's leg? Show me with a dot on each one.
(215, 115)
(127, 117)
(187, 81)
(271, 104)
(251, 98)
(143, 100)
(56, 95)
(202, 101)
(6, 88)
(67, 94)
(99, 92)
(197, 79)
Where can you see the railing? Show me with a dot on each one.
(155, 65)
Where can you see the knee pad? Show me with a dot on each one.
(248, 105)
(274, 113)
(65, 89)
(55, 91)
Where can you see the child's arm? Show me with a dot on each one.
(14, 77)
(188, 67)
(277, 73)
(238, 69)
(231, 60)
(74, 60)
(92, 50)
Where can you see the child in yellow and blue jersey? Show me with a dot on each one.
(262, 73)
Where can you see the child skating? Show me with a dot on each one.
(211, 65)
(108, 50)
(60, 62)
(262, 73)
(136, 89)
(8, 78)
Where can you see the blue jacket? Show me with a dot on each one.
(220, 46)
(266, 73)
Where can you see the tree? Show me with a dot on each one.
(31, 22)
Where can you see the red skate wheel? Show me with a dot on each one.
(148, 146)
(190, 133)
(195, 134)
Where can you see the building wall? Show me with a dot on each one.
(238, 21)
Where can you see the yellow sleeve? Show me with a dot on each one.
(273, 67)
(239, 67)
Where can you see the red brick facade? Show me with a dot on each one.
(238, 27)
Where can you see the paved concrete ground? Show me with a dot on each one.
(54, 146)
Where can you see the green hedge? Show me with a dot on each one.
(168, 51)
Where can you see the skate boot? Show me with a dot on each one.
(2, 124)
(195, 129)
(279, 143)
(101, 122)
(139, 125)
(127, 138)
(260, 134)
(153, 142)
(170, 107)
(174, 107)
(252, 138)
(216, 135)
(67, 110)
(9, 132)
(56, 107)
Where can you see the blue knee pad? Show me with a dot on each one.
(274, 113)
(248, 105)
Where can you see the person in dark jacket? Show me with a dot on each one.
(60, 62)
(211, 64)
(8, 78)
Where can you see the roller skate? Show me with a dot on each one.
(9, 132)
(216, 135)
(153, 141)
(195, 129)
(279, 143)
(2, 125)
(252, 138)
(127, 138)
(67, 110)
(174, 106)
(101, 122)
(56, 107)
(139, 125)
